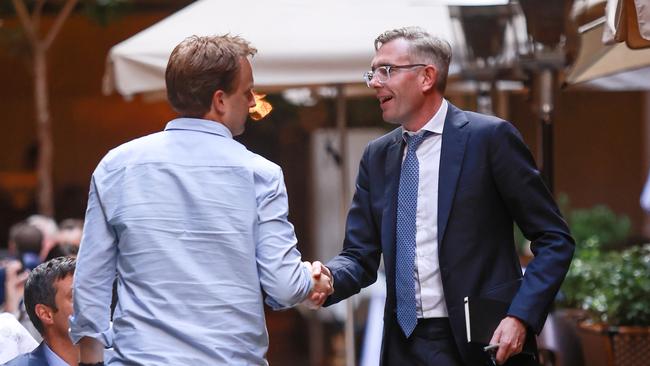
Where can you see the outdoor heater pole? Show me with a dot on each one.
(341, 116)
(546, 86)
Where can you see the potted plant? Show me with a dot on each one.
(611, 287)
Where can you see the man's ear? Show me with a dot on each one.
(45, 314)
(429, 78)
(218, 102)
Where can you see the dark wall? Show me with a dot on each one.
(599, 148)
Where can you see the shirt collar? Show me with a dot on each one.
(436, 123)
(201, 125)
(52, 358)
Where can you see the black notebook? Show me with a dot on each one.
(482, 317)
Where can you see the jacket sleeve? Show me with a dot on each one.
(535, 212)
(356, 266)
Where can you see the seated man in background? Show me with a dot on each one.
(48, 299)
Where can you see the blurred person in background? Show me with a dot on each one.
(70, 231)
(25, 242)
(14, 338)
(48, 228)
(68, 239)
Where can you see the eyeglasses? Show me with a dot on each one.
(383, 72)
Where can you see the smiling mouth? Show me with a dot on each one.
(384, 99)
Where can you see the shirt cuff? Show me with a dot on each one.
(77, 332)
(275, 305)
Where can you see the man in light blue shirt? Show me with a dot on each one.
(194, 226)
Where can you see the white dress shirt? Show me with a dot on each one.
(429, 295)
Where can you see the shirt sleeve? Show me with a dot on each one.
(94, 274)
(283, 277)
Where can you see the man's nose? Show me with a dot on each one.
(374, 82)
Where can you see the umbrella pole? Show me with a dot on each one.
(341, 116)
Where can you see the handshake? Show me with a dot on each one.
(322, 285)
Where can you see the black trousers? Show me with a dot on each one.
(431, 344)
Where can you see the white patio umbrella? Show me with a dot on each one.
(299, 43)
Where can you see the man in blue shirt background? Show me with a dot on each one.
(195, 227)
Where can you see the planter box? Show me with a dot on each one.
(603, 345)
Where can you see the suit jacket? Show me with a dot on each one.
(33, 358)
(487, 179)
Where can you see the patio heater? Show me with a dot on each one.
(524, 40)
(485, 46)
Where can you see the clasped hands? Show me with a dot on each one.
(322, 285)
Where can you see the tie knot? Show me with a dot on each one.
(413, 141)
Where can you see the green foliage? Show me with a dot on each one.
(616, 288)
(598, 226)
(101, 11)
(105, 11)
(612, 286)
(13, 39)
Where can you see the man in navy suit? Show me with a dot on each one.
(48, 300)
(437, 197)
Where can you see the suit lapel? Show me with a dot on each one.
(454, 139)
(391, 175)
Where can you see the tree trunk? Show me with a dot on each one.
(44, 193)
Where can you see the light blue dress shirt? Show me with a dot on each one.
(195, 227)
(52, 358)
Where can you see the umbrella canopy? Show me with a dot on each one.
(613, 66)
(597, 60)
(610, 66)
(299, 43)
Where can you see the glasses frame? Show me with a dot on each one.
(369, 75)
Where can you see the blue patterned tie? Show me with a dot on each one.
(407, 204)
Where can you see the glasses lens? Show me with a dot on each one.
(367, 76)
(382, 74)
